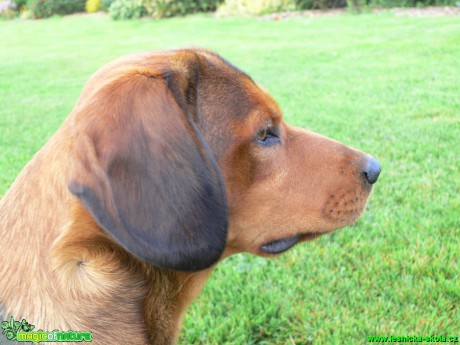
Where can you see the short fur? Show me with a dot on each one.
(156, 176)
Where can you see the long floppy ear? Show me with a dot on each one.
(142, 169)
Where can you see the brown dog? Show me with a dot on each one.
(169, 162)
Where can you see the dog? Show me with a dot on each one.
(170, 162)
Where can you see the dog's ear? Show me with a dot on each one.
(143, 170)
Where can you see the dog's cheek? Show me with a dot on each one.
(238, 169)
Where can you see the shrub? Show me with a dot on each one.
(105, 5)
(8, 9)
(170, 8)
(46, 8)
(244, 7)
(411, 3)
(127, 9)
(319, 4)
(158, 8)
(92, 6)
(357, 6)
(19, 3)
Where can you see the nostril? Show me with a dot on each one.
(372, 170)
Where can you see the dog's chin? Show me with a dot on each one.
(283, 244)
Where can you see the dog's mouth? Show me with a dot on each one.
(283, 244)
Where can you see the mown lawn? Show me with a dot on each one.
(386, 85)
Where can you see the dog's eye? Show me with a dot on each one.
(268, 135)
(262, 134)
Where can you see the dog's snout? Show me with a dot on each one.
(371, 171)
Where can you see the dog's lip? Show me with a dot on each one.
(283, 244)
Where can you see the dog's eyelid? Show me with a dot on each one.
(268, 135)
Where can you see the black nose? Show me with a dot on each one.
(372, 170)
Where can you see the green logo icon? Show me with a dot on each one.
(22, 331)
(11, 328)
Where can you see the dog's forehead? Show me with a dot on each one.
(219, 62)
(260, 99)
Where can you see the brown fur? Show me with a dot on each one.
(66, 260)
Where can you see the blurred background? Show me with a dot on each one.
(382, 76)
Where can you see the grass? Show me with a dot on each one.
(386, 85)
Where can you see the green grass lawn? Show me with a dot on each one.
(386, 85)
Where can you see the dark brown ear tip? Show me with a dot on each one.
(195, 246)
(195, 259)
(181, 257)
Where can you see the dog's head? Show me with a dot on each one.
(179, 156)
